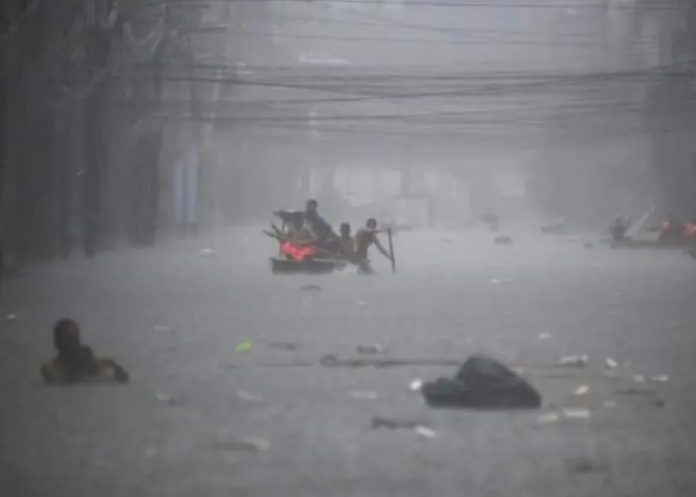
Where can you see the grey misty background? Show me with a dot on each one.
(128, 121)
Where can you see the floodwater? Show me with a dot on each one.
(199, 418)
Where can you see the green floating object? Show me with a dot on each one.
(244, 346)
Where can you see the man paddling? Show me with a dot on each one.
(364, 238)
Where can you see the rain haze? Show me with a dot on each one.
(347, 248)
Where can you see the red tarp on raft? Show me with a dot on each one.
(297, 253)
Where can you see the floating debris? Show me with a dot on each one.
(244, 346)
(611, 363)
(494, 281)
(161, 328)
(581, 390)
(482, 382)
(635, 391)
(249, 397)
(639, 378)
(544, 336)
(617, 294)
(393, 424)
(424, 431)
(660, 378)
(416, 385)
(11, 316)
(252, 444)
(584, 466)
(573, 361)
(588, 245)
(206, 252)
(676, 325)
(311, 288)
(548, 418)
(576, 413)
(502, 240)
(362, 303)
(371, 349)
(609, 404)
(168, 399)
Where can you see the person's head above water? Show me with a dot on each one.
(345, 229)
(311, 206)
(66, 335)
(371, 223)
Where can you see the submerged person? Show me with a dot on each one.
(77, 362)
(364, 238)
(346, 244)
(619, 228)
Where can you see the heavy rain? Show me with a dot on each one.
(347, 248)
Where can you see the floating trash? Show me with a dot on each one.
(544, 336)
(415, 385)
(494, 281)
(424, 431)
(502, 240)
(244, 346)
(380, 422)
(584, 466)
(576, 413)
(11, 316)
(611, 363)
(371, 349)
(252, 444)
(573, 361)
(161, 328)
(660, 378)
(206, 252)
(168, 399)
(581, 390)
(362, 303)
(635, 391)
(676, 325)
(311, 288)
(482, 382)
(548, 418)
(639, 378)
(249, 397)
(609, 404)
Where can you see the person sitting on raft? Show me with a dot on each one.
(76, 362)
(325, 238)
(346, 244)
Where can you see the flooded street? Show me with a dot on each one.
(229, 396)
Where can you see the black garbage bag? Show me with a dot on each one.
(482, 382)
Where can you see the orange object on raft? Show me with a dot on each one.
(298, 253)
